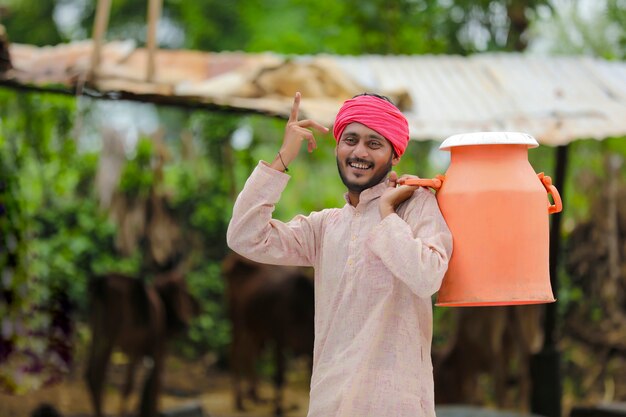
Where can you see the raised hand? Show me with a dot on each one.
(296, 131)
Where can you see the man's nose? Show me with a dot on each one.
(361, 150)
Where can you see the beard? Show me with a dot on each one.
(378, 177)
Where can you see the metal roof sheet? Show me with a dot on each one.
(555, 99)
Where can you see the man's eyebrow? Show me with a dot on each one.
(368, 136)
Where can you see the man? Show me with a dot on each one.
(377, 260)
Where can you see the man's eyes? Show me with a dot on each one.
(374, 144)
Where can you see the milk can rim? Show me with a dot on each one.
(489, 138)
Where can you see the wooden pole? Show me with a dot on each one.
(101, 22)
(154, 14)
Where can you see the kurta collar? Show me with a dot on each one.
(370, 194)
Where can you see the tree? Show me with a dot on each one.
(30, 21)
(581, 28)
(292, 26)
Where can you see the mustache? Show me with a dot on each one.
(359, 160)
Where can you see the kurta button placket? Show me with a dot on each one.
(352, 244)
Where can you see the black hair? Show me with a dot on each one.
(380, 96)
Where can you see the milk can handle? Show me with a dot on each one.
(434, 183)
(551, 189)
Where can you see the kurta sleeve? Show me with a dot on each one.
(416, 247)
(253, 233)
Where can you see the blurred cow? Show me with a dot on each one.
(497, 341)
(138, 318)
(268, 306)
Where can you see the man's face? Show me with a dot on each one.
(364, 157)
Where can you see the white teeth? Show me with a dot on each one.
(359, 166)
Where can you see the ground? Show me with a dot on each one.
(185, 383)
(591, 378)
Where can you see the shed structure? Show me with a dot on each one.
(557, 99)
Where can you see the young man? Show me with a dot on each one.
(377, 260)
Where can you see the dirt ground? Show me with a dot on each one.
(200, 383)
(186, 384)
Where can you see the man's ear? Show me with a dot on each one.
(395, 159)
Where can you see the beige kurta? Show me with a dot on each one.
(373, 285)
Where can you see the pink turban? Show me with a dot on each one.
(377, 114)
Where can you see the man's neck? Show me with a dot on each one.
(353, 197)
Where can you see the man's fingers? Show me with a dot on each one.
(308, 136)
(312, 124)
(392, 179)
(303, 124)
(406, 177)
(409, 176)
(295, 108)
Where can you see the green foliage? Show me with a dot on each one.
(30, 21)
(59, 238)
(344, 27)
(579, 28)
(293, 26)
(56, 236)
(203, 182)
(137, 178)
(13, 231)
(209, 25)
(200, 182)
(211, 330)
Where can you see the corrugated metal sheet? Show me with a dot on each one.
(555, 99)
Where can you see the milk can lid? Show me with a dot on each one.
(489, 138)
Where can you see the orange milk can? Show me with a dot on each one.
(497, 210)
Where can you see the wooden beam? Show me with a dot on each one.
(159, 100)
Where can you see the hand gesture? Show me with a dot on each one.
(296, 131)
(395, 194)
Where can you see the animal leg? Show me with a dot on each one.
(152, 388)
(237, 356)
(253, 383)
(251, 373)
(128, 385)
(279, 380)
(97, 364)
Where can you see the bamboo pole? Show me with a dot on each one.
(100, 25)
(154, 14)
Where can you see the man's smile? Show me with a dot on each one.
(359, 164)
